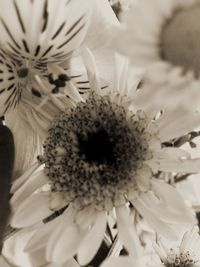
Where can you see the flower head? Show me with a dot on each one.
(35, 38)
(98, 146)
(185, 255)
(163, 37)
(101, 157)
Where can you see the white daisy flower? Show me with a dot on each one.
(185, 255)
(162, 36)
(101, 157)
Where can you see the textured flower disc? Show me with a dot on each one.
(180, 40)
(94, 150)
(180, 260)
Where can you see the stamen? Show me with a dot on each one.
(180, 260)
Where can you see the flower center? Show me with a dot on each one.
(97, 147)
(26, 78)
(94, 150)
(180, 40)
(181, 260)
(23, 72)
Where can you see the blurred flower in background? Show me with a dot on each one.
(162, 36)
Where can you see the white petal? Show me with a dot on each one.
(183, 122)
(93, 239)
(154, 221)
(22, 179)
(32, 184)
(68, 243)
(185, 165)
(61, 231)
(103, 18)
(91, 70)
(158, 207)
(160, 251)
(33, 210)
(189, 240)
(143, 178)
(41, 236)
(40, 29)
(71, 263)
(171, 197)
(171, 153)
(120, 262)
(85, 217)
(127, 233)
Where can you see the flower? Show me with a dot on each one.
(39, 45)
(36, 38)
(100, 158)
(185, 255)
(162, 36)
(43, 36)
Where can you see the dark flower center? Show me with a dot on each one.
(97, 147)
(180, 42)
(23, 72)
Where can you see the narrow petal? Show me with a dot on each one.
(185, 165)
(127, 233)
(154, 221)
(33, 210)
(22, 179)
(32, 184)
(71, 263)
(119, 262)
(189, 240)
(172, 153)
(85, 217)
(68, 243)
(160, 251)
(171, 197)
(183, 122)
(93, 239)
(159, 207)
(41, 236)
(91, 70)
(66, 222)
